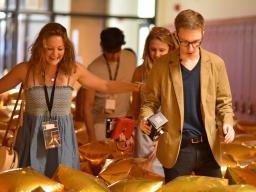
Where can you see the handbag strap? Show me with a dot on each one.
(5, 139)
(9, 125)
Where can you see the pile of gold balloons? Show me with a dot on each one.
(128, 168)
(193, 184)
(75, 180)
(138, 185)
(26, 179)
(242, 175)
(93, 155)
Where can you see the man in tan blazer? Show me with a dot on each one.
(191, 86)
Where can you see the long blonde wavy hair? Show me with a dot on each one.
(37, 59)
(162, 34)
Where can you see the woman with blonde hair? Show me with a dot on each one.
(160, 41)
(51, 73)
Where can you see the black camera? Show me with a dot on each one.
(109, 126)
(157, 121)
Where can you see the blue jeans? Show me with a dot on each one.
(193, 157)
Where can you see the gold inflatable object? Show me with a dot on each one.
(193, 184)
(86, 167)
(96, 154)
(234, 188)
(122, 169)
(26, 179)
(240, 138)
(242, 155)
(5, 114)
(78, 181)
(246, 127)
(239, 175)
(136, 185)
(81, 132)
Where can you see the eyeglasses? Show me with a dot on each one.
(194, 44)
(185, 43)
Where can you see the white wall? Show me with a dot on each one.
(210, 9)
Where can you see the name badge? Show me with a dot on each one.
(110, 105)
(51, 134)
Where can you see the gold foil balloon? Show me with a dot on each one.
(78, 181)
(39, 189)
(242, 155)
(249, 143)
(26, 179)
(136, 185)
(96, 153)
(5, 114)
(239, 175)
(127, 168)
(246, 126)
(86, 167)
(240, 138)
(81, 132)
(242, 188)
(227, 160)
(234, 188)
(193, 184)
(240, 152)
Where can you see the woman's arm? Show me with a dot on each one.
(134, 109)
(14, 77)
(91, 81)
(88, 111)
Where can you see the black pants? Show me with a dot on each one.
(196, 158)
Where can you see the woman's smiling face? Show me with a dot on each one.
(54, 50)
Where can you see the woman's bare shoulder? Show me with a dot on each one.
(78, 71)
(79, 65)
(22, 67)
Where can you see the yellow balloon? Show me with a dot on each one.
(136, 185)
(241, 154)
(27, 179)
(234, 188)
(127, 168)
(78, 181)
(239, 175)
(193, 184)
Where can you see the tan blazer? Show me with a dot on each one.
(166, 91)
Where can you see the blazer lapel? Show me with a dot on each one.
(175, 71)
(204, 77)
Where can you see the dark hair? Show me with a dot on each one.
(189, 19)
(37, 58)
(112, 39)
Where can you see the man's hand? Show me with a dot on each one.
(229, 133)
(144, 126)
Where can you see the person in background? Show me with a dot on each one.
(113, 64)
(192, 88)
(160, 41)
(48, 78)
(131, 50)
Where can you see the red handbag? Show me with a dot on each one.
(123, 127)
(123, 134)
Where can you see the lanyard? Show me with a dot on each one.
(109, 69)
(50, 102)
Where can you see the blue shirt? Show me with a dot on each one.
(193, 124)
